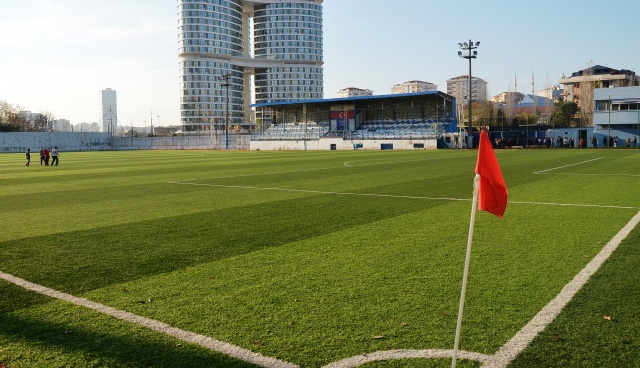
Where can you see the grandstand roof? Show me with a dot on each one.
(399, 98)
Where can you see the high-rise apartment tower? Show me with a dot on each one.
(109, 110)
(260, 50)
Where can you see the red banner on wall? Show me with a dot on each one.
(349, 114)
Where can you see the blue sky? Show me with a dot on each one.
(57, 55)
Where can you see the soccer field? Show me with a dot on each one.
(313, 259)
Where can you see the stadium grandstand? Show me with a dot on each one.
(401, 121)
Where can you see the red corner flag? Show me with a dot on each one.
(492, 191)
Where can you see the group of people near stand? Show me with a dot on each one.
(45, 156)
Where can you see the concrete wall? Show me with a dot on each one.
(326, 144)
(66, 141)
(236, 142)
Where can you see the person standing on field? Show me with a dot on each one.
(28, 157)
(46, 157)
(41, 155)
(54, 156)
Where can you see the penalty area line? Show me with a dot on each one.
(190, 337)
(389, 195)
(562, 167)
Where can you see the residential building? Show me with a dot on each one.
(508, 98)
(553, 93)
(62, 125)
(354, 91)
(109, 110)
(580, 85)
(231, 50)
(413, 86)
(459, 87)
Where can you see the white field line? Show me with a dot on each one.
(562, 167)
(509, 351)
(204, 341)
(406, 354)
(579, 174)
(386, 195)
(315, 191)
(505, 355)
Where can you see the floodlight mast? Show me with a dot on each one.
(225, 79)
(470, 54)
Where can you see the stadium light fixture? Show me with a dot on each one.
(225, 83)
(469, 48)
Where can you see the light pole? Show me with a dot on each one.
(471, 54)
(225, 79)
(609, 131)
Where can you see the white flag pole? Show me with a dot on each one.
(466, 269)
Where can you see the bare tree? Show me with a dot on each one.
(43, 122)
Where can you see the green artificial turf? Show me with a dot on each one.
(310, 257)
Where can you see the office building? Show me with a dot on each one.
(109, 110)
(265, 50)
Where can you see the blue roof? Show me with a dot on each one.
(348, 99)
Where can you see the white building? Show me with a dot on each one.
(354, 91)
(459, 88)
(617, 111)
(109, 110)
(62, 125)
(413, 86)
(553, 93)
(271, 49)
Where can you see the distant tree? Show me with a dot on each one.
(565, 113)
(10, 118)
(13, 119)
(483, 113)
(42, 122)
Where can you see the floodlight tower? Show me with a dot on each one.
(225, 83)
(470, 54)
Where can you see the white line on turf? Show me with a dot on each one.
(405, 354)
(204, 341)
(562, 167)
(505, 355)
(316, 191)
(387, 195)
(509, 351)
(583, 174)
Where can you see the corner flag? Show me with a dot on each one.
(492, 191)
(490, 194)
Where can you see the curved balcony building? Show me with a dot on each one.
(285, 63)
